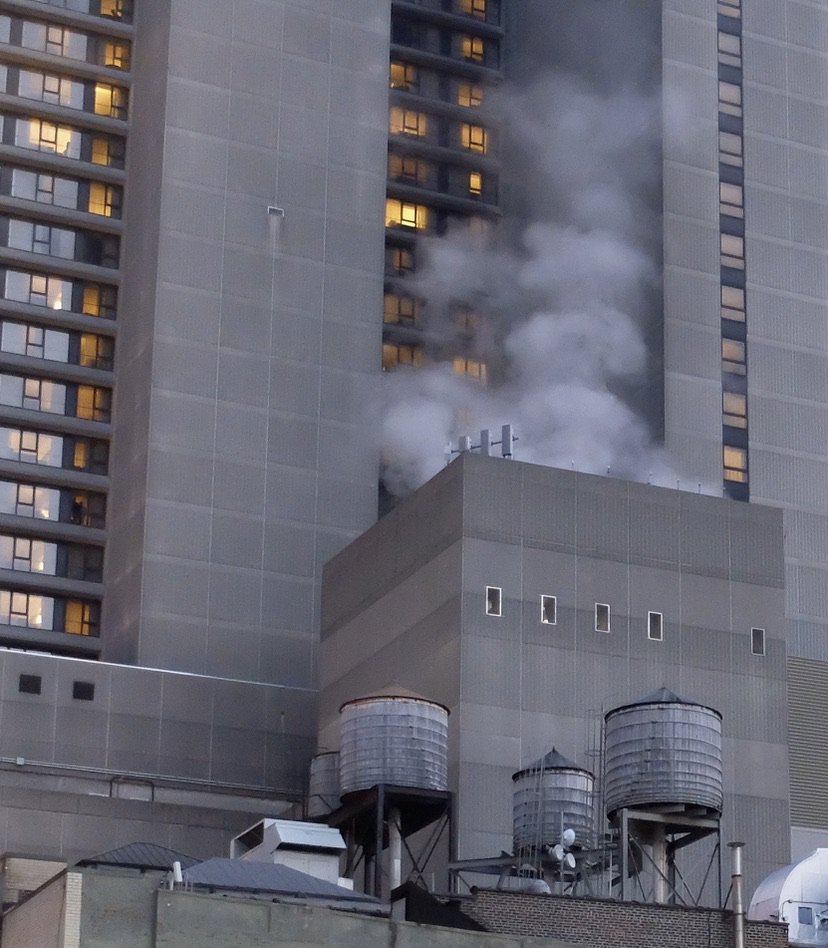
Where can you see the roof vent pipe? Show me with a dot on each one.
(738, 896)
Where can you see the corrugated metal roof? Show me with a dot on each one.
(244, 875)
(140, 856)
(308, 835)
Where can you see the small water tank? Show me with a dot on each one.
(552, 794)
(323, 784)
(393, 737)
(663, 750)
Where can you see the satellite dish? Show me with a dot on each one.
(568, 837)
(558, 852)
(569, 861)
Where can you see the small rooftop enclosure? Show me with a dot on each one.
(308, 847)
(530, 601)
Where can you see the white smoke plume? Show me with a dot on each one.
(567, 307)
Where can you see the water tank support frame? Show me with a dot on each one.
(677, 830)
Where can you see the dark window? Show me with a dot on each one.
(602, 617)
(29, 684)
(757, 641)
(549, 610)
(83, 690)
(493, 604)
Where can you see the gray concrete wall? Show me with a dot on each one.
(516, 686)
(254, 349)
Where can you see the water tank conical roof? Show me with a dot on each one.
(663, 749)
(394, 736)
(551, 795)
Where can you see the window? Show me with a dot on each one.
(107, 150)
(407, 169)
(734, 410)
(602, 617)
(473, 8)
(735, 464)
(655, 626)
(81, 617)
(115, 53)
(469, 94)
(117, 9)
(405, 214)
(403, 76)
(474, 137)
(467, 320)
(757, 641)
(493, 601)
(732, 251)
(398, 260)
(47, 87)
(471, 368)
(104, 199)
(475, 183)
(730, 149)
(805, 914)
(99, 300)
(549, 610)
(730, 49)
(83, 690)
(41, 135)
(407, 121)
(31, 447)
(96, 351)
(733, 356)
(472, 48)
(38, 289)
(394, 354)
(733, 303)
(731, 199)
(44, 188)
(29, 684)
(730, 98)
(26, 609)
(731, 8)
(93, 403)
(110, 100)
(403, 310)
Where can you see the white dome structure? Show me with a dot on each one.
(798, 895)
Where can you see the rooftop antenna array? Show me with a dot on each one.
(465, 446)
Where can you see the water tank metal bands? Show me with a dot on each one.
(393, 739)
(663, 750)
(323, 784)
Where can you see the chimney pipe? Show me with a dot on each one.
(738, 896)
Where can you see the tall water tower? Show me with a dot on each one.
(663, 792)
(393, 778)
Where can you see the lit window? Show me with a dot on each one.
(731, 199)
(733, 356)
(469, 94)
(104, 199)
(107, 151)
(734, 409)
(757, 641)
(117, 9)
(93, 403)
(401, 309)
(493, 601)
(407, 169)
(730, 98)
(472, 48)
(110, 100)
(730, 149)
(475, 182)
(549, 610)
(116, 54)
(467, 319)
(403, 76)
(407, 122)
(394, 354)
(26, 609)
(733, 303)
(405, 214)
(602, 617)
(474, 8)
(99, 300)
(655, 626)
(81, 617)
(95, 351)
(732, 251)
(46, 136)
(471, 368)
(735, 464)
(731, 8)
(474, 137)
(730, 49)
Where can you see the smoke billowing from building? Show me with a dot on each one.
(569, 301)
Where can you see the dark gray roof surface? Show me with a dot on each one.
(554, 760)
(249, 875)
(140, 856)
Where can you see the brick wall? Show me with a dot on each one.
(615, 924)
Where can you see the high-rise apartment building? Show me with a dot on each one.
(210, 218)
